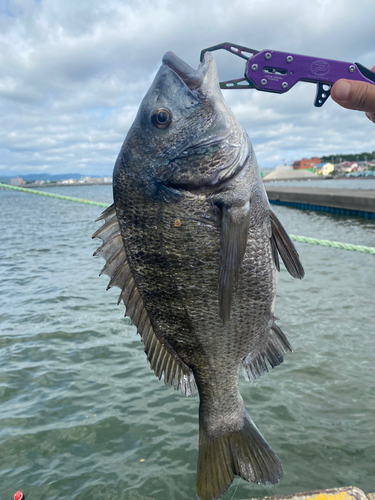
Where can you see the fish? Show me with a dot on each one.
(193, 245)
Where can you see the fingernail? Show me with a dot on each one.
(371, 116)
(342, 90)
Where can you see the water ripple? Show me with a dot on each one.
(82, 415)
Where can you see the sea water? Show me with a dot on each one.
(83, 416)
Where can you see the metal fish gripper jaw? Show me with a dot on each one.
(277, 72)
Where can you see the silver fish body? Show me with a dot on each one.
(193, 245)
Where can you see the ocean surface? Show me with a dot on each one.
(83, 417)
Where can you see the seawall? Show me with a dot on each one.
(359, 202)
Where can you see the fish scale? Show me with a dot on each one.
(194, 247)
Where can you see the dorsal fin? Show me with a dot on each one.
(163, 359)
(281, 242)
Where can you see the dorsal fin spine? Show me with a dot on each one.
(110, 224)
(162, 357)
(123, 293)
(151, 347)
(121, 268)
(108, 212)
(138, 312)
(132, 302)
(111, 260)
(142, 320)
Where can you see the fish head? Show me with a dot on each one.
(184, 133)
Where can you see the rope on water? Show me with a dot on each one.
(54, 195)
(300, 239)
(333, 244)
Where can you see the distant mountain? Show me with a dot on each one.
(43, 177)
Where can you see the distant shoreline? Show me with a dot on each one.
(74, 184)
(61, 184)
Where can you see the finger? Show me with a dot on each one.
(371, 116)
(354, 94)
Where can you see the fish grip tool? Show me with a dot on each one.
(277, 72)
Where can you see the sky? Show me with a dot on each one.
(73, 73)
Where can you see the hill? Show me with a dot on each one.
(340, 157)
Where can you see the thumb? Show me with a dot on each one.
(352, 94)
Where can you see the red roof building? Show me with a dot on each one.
(305, 163)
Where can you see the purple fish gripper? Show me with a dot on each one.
(278, 72)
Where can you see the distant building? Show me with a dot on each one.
(324, 168)
(17, 181)
(86, 178)
(305, 163)
(95, 180)
(348, 166)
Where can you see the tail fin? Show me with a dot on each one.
(244, 453)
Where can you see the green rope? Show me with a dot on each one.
(53, 195)
(333, 244)
(301, 239)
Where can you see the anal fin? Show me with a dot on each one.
(254, 365)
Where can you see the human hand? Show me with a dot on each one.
(351, 94)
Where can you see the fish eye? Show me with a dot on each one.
(161, 118)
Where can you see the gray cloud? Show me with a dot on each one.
(72, 74)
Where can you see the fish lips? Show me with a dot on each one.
(194, 79)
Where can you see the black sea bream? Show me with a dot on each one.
(193, 245)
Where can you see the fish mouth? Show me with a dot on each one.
(193, 78)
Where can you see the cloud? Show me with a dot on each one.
(72, 74)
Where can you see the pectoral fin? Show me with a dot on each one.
(233, 239)
(281, 243)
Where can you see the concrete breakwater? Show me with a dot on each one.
(357, 202)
